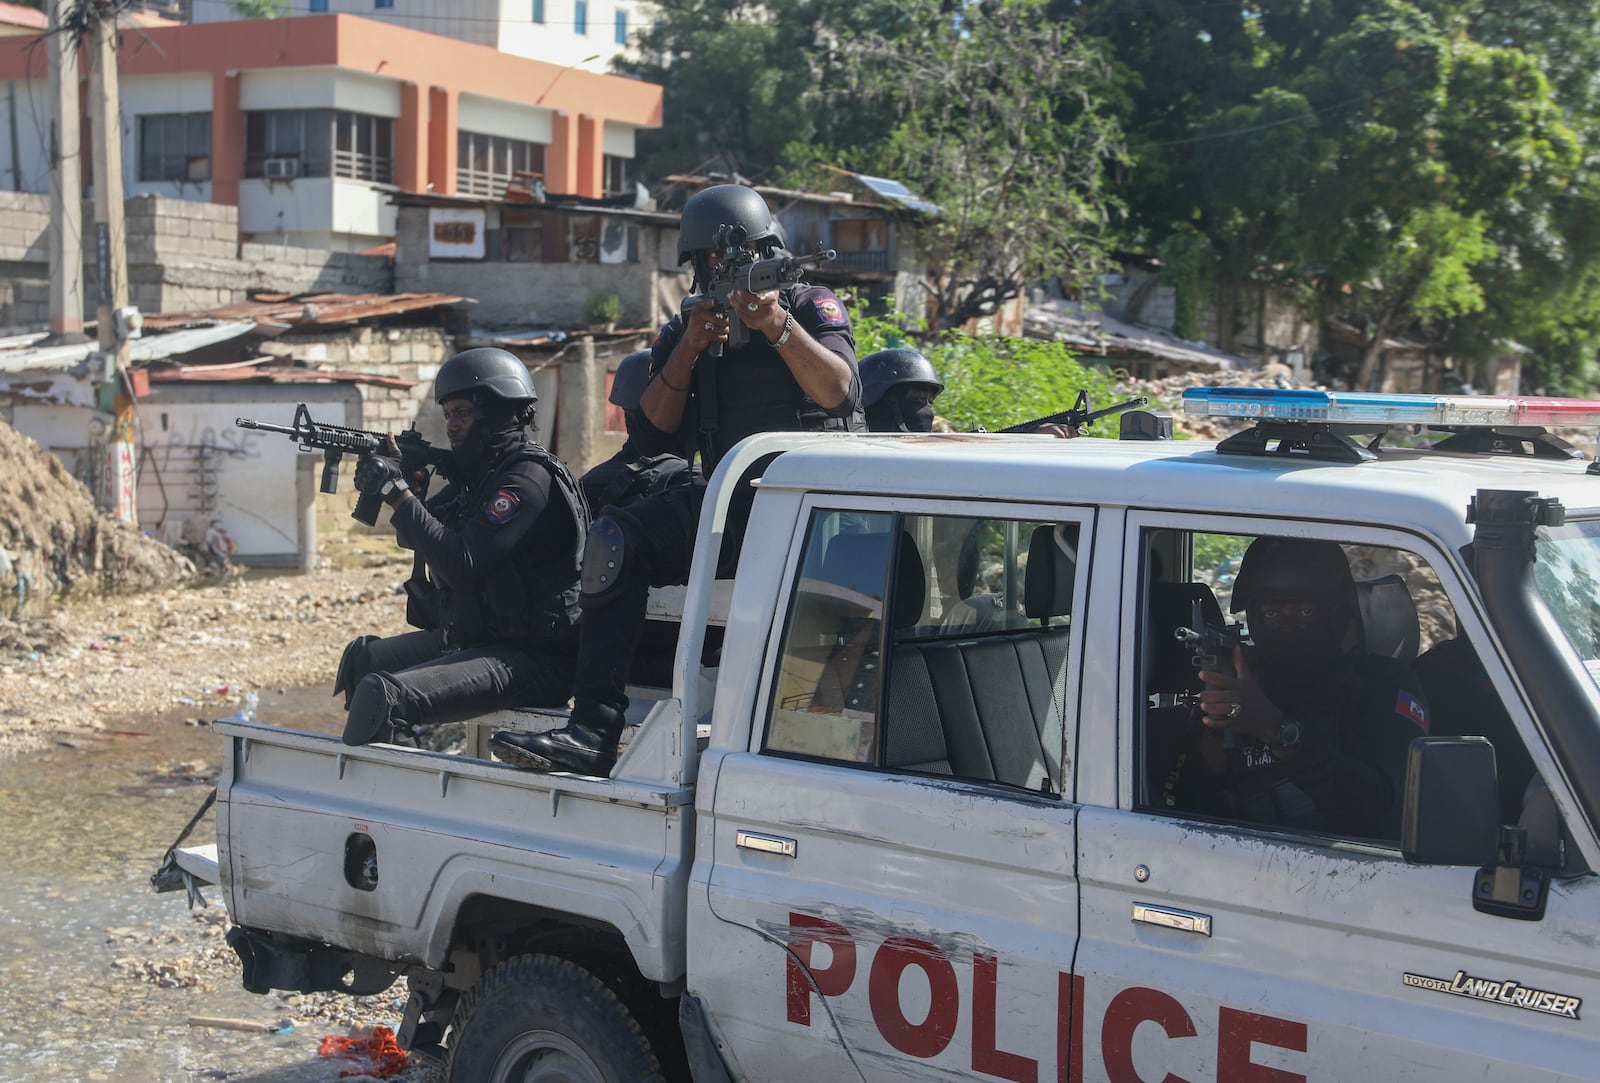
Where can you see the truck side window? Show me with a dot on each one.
(1348, 653)
(825, 703)
(930, 644)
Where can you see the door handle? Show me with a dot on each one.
(1168, 918)
(767, 844)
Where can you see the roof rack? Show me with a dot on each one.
(1324, 425)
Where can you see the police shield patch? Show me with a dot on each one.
(830, 312)
(502, 506)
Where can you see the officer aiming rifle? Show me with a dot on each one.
(336, 441)
(741, 269)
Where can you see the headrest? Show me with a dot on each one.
(1171, 668)
(1052, 567)
(1389, 624)
(910, 584)
(855, 562)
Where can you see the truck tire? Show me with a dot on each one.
(541, 1019)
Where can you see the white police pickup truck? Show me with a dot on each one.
(931, 833)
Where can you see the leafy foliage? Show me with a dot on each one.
(260, 9)
(995, 382)
(995, 121)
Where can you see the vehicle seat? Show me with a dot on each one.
(1389, 624)
(988, 707)
(1463, 702)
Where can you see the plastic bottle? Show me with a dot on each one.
(248, 712)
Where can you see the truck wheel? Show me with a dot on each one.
(540, 1019)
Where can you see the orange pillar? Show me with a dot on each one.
(590, 163)
(227, 139)
(411, 141)
(443, 110)
(561, 156)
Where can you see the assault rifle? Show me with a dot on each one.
(1078, 417)
(744, 270)
(336, 441)
(1211, 648)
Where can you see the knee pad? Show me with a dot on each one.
(605, 557)
(353, 665)
(371, 716)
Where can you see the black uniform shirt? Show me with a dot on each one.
(506, 514)
(754, 390)
(1348, 774)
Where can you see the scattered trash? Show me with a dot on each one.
(184, 699)
(374, 1050)
(246, 713)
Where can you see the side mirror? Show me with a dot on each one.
(1451, 814)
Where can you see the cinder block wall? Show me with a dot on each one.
(409, 353)
(182, 256)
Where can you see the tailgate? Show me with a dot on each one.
(376, 849)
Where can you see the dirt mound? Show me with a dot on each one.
(54, 541)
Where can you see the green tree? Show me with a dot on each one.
(1327, 144)
(260, 9)
(994, 119)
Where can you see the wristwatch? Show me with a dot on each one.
(1288, 735)
(788, 328)
(393, 486)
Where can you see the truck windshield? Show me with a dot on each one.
(1568, 576)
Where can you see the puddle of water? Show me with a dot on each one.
(87, 828)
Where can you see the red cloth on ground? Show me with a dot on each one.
(378, 1054)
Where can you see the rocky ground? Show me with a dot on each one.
(92, 662)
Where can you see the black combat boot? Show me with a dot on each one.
(587, 745)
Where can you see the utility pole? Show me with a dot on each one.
(66, 181)
(116, 321)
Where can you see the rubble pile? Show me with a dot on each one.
(54, 542)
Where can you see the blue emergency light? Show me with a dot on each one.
(1365, 408)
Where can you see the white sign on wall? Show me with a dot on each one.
(456, 232)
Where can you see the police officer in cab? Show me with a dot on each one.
(1310, 731)
(796, 372)
(495, 595)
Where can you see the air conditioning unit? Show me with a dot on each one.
(281, 168)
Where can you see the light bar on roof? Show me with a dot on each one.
(1359, 407)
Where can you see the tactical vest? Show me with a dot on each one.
(619, 482)
(536, 603)
(751, 390)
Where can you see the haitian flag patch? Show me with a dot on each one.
(502, 506)
(1409, 706)
(830, 312)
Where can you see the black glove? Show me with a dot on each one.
(379, 475)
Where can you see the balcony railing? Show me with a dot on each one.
(869, 260)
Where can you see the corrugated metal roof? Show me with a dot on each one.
(153, 348)
(312, 309)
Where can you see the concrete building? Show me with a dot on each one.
(585, 34)
(309, 125)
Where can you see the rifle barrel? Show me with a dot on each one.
(265, 426)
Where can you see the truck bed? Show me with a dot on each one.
(380, 849)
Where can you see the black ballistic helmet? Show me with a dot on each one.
(734, 205)
(1294, 569)
(890, 368)
(633, 375)
(487, 369)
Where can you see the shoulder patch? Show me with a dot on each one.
(1408, 706)
(502, 506)
(830, 311)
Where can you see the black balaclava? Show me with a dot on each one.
(501, 426)
(895, 413)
